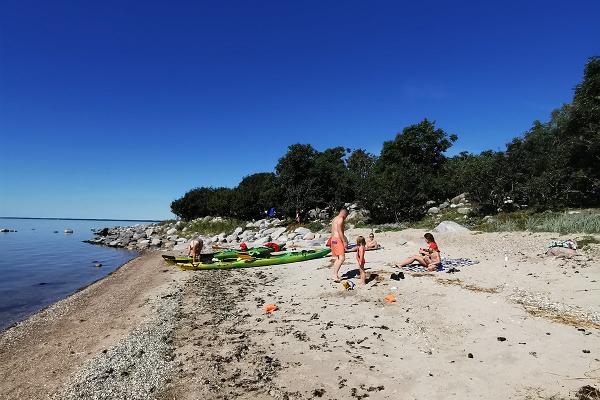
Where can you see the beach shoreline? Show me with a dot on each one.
(148, 330)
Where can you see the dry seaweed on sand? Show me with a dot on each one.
(468, 286)
(539, 305)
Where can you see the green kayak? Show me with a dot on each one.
(286, 258)
(225, 255)
(258, 252)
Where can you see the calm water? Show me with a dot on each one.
(39, 267)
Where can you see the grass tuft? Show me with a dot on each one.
(209, 228)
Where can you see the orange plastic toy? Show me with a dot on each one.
(271, 308)
(390, 298)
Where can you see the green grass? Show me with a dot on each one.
(587, 221)
(210, 228)
(586, 241)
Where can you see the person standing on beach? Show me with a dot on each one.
(338, 244)
(195, 248)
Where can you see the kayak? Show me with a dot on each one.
(287, 258)
(183, 259)
(258, 252)
(225, 255)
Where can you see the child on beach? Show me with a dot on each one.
(430, 257)
(361, 247)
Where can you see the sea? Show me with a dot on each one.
(41, 264)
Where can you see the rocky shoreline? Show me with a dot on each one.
(171, 236)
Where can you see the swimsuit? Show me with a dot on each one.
(337, 247)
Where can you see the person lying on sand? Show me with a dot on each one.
(371, 243)
(430, 257)
(195, 248)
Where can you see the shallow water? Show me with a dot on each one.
(39, 267)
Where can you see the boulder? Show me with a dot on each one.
(277, 233)
(308, 236)
(68, 230)
(458, 199)
(138, 236)
(453, 205)
(261, 241)
(143, 243)
(156, 241)
(276, 222)
(114, 243)
(172, 231)
(269, 231)
(292, 236)
(433, 210)
(180, 240)
(222, 236)
(444, 205)
(237, 231)
(313, 214)
(180, 246)
(231, 238)
(4, 230)
(302, 231)
(430, 202)
(449, 226)
(149, 232)
(464, 210)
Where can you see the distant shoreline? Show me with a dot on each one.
(86, 219)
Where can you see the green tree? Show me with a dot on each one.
(360, 169)
(254, 194)
(406, 172)
(193, 204)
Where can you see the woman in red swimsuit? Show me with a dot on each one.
(430, 257)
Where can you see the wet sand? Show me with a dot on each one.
(526, 329)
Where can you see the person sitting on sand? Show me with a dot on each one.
(371, 243)
(361, 247)
(338, 244)
(430, 257)
(195, 248)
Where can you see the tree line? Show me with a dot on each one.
(555, 164)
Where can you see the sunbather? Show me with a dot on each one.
(430, 257)
(371, 242)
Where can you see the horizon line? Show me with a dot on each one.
(87, 219)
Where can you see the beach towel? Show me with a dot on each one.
(447, 263)
(567, 244)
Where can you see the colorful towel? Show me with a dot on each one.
(567, 244)
(446, 263)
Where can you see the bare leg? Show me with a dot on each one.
(421, 260)
(363, 275)
(335, 268)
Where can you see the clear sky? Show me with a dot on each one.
(112, 109)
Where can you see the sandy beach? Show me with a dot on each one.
(528, 328)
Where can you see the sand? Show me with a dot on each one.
(528, 328)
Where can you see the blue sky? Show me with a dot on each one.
(113, 109)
